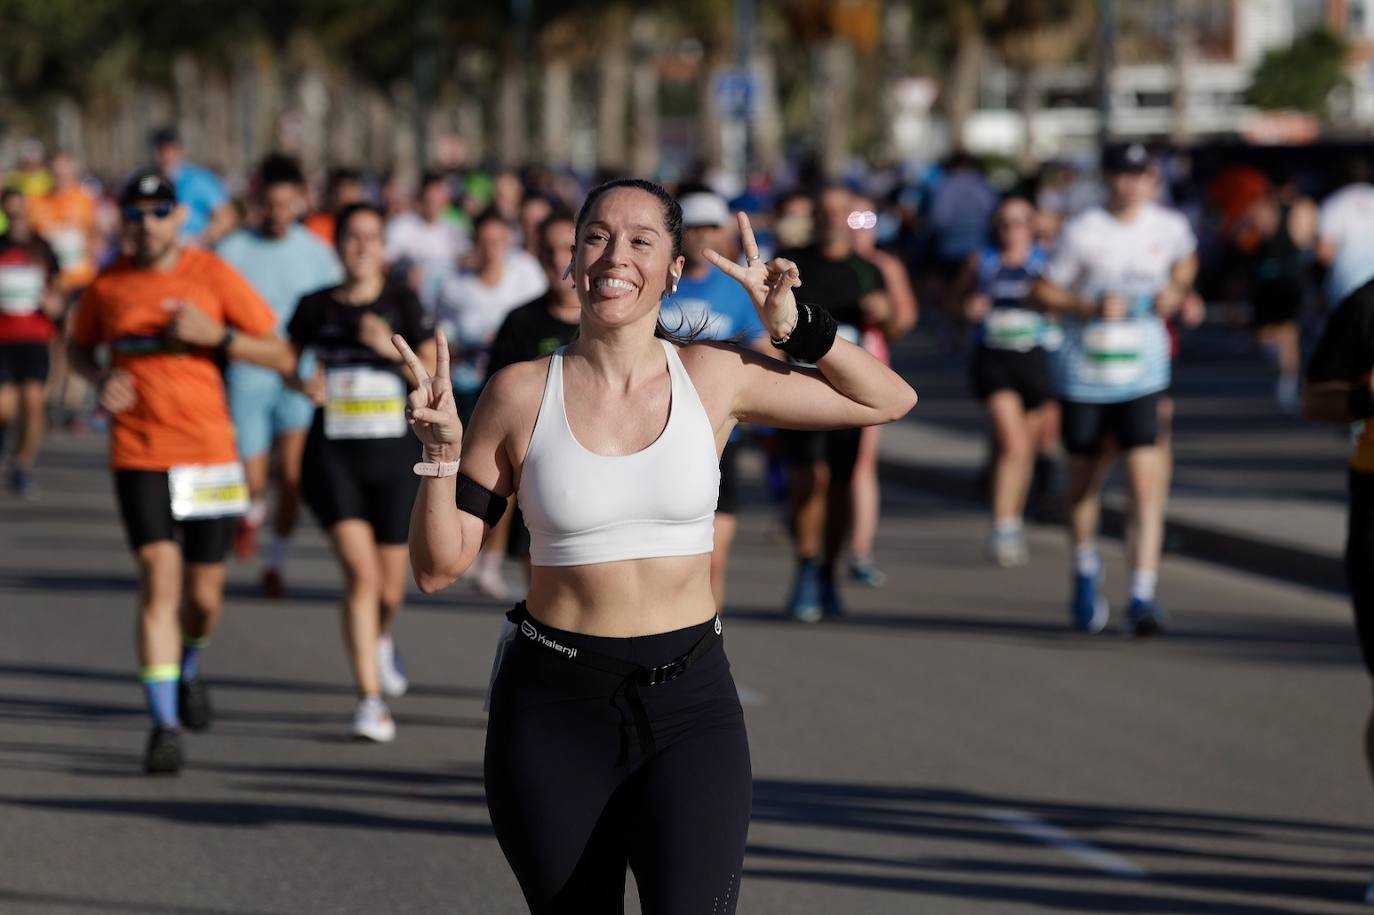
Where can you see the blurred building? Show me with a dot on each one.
(1182, 72)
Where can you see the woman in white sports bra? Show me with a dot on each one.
(615, 736)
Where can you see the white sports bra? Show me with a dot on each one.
(583, 508)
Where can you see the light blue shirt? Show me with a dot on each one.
(201, 192)
(717, 304)
(282, 269)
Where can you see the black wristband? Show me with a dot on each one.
(813, 335)
(227, 340)
(1359, 403)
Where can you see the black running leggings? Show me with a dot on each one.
(574, 800)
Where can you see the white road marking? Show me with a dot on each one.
(748, 696)
(1058, 839)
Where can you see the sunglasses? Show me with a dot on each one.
(1009, 223)
(138, 214)
(862, 219)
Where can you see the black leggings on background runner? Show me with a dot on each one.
(574, 797)
(1359, 560)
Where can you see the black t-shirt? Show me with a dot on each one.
(330, 327)
(838, 286)
(1346, 349)
(528, 333)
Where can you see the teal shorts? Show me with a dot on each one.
(264, 408)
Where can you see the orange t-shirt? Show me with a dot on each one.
(182, 415)
(65, 220)
(322, 224)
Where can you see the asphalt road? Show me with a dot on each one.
(947, 748)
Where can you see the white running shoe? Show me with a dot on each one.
(390, 668)
(372, 721)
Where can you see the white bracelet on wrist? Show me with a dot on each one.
(436, 468)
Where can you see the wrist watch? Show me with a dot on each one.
(227, 339)
(436, 468)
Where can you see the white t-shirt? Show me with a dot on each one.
(471, 312)
(1098, 254)
(1347, 221)
(432, 246)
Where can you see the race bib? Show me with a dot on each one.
(207, 491)
(363, 402)
(1114, 352)
(21, 289)
(69, 244)
(1016, 329)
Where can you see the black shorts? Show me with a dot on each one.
(1087, 427)
(372, 480)
(576, 794)
(838, 450)
(1359, 561)
(1026, 374)
(1276, 301)
(21, 362)
(728, 500)
(145, 505)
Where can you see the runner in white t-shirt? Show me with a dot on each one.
(1117, 274)
(1345, 236)
(427, 240)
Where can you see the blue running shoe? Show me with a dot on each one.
(1090, 609)
(864, 572)
(1145, 618)
(21, 483)
(830, 596)
(804, 606)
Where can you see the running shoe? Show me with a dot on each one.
(163, 755)
(864, 572)
(804, 605)
(830, 597)
(21, 483)
(490, 582)
(391, 668)
(1008, 549)
(193, 704)
(246, 540)
(273, 585)
(1090, 609)
(372, 721)
(1145, 618)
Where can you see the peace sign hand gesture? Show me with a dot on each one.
(430, 408)
(769, 285)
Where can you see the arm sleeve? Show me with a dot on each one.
(1345, 351)
(85, 327)
(244, 309)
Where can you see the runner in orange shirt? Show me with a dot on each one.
(170, 315)
(65, 217)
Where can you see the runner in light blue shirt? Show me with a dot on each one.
(284, 261)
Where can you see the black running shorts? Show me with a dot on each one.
(1089, 427)
(1026, 374)
(21, 362)
(372, 480)
(145, 505)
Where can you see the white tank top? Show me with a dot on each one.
(583, 508)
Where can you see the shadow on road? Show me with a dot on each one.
(1216, 844)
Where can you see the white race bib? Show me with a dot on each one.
(1113, 351)
(21, 289)
(69, 244)
(1016, 329)
(207, 491)
(363, 402)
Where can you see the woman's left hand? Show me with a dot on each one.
(769, 285)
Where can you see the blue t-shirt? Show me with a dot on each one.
(282, 270)
(201, 192)
(720, 302)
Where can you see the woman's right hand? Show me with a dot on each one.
(430, 409)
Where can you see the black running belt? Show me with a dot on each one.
(633, 676)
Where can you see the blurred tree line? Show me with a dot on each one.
(615, 85)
